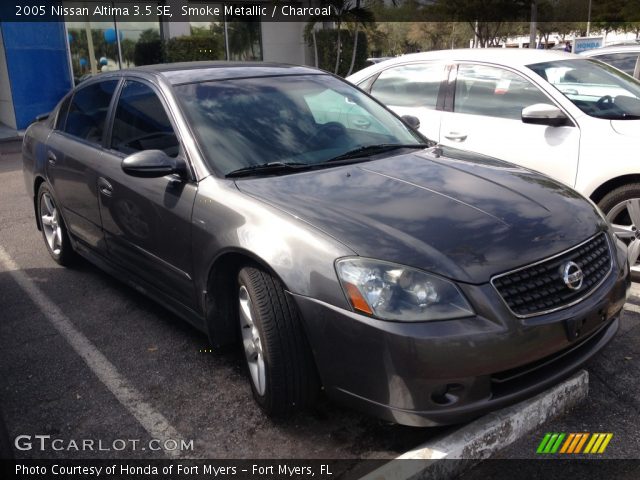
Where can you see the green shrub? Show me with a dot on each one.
(193, 48)
(148, 53)
(327, 40)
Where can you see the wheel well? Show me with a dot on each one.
(612, 184)
(36, 186)
(220, 302)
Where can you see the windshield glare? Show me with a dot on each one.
(304, 119)
(595, 88)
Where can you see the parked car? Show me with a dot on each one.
(284, 207)
(564, 115)
(624, 57)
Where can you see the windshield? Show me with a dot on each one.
(298, 119)
(597, 89)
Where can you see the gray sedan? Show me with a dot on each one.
(281, 208)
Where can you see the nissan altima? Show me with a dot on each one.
(284, 209)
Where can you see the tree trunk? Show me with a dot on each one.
(353, 55)
(315, 46)
(339, 46)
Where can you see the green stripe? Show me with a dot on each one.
(552, 440)
(543, 443)
(558, 443)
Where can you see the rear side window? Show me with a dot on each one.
(141, 122)
(88, 111)
(622, 61)
(409, 85)
(494, 92)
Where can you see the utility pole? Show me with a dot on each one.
(589, 19)
(533, 26)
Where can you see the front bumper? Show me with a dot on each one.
(445, 372)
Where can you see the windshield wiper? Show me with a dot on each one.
(620, 116)
(271, 167)
(367, 150)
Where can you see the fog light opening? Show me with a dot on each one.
(447, 394)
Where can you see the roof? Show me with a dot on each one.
(507, 56)
(611, 49)
(192, 72)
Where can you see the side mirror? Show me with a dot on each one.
(544, 114)
(153, 164)
(413, 122)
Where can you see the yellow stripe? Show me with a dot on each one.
(584, 439)
(596, 445)
(590, 444)
(606, 442)
(567, 442)
(575, 442)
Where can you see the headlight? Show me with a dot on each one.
(395, 292)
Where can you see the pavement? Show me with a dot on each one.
(83, 356)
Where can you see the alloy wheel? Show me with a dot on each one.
(624, 217)
(251, 342)
(51, 226)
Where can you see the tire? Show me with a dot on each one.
(622, 209)
(54, 230)
(282, 372)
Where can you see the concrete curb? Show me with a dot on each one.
(484, 437)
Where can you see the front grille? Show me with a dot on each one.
(539, 288)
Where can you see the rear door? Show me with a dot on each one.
(487, 118)
(147, 221)
(74, 152)
(413, 89)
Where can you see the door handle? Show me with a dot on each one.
(456, 137)
(51, 158)
(105, 187)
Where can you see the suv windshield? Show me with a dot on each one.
(597, 89)
(296, 119)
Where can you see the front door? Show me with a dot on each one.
(147, 221)
(486, 119)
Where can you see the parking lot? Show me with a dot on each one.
(130, 363)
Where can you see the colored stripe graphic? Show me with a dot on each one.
(573, 443)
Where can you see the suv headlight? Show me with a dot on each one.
(396, 292)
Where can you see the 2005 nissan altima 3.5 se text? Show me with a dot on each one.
(283, 208)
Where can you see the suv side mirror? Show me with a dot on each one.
(153, 164)
(413, 122)
(544, 114)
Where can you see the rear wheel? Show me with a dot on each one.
(622, 209)
(281, 368)
(54, 231)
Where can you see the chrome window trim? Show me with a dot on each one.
(576, 301)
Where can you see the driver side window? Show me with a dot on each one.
(141, 122)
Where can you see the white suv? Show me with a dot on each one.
(570, 117)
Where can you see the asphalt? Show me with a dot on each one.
(47, 388)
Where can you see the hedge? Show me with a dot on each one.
(327, 41)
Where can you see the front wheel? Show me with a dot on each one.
(622, 210)
(54, 231)
(279, 360)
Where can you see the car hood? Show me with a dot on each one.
(460, 215)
